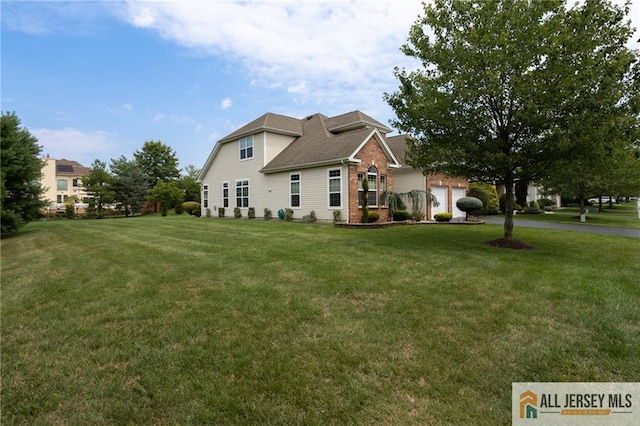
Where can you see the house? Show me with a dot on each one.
(317, 163)
(447, 189)
(62, 179)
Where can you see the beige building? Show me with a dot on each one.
(62, 179)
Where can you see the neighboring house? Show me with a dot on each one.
(317, 163)
(534, 193)
(62, 179)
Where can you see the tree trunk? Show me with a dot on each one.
(508, 207)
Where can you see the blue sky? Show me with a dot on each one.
(95, 80)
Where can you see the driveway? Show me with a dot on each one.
(567, 227)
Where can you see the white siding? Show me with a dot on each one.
(273, 144)
(270, 190)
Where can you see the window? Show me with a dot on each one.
(360, 189)
(294, 184)
(62, 198)
(75, 183)
(335, 188)
(383, 185)
(372, 181)
(225, 194)
(246, 148)
(205, 196)
(372, 178)
(242, 193)
(63, 185)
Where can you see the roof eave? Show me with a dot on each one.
(346, 160)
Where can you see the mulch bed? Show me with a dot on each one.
(511, 244)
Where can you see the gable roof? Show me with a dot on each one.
(317, 139)
(274, 123)
(398, 145)
(319, 145)
(66, 167)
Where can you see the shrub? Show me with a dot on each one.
(544, 202)
(191, 207)
(469, 205)
(336, 216)
(179, 209)
(220, 211)
(547, 208)
(517, 206)
(288, 215)
(208, 212)
(532, 208)
(267, 214)
(312, 216)
(364, 218)
(417, 215)
(251, 214)
(69, 210)
(492, 203)
(401, 215)
(373, 217)
(164, 209)
(481, 194)
(237, 213)
(443, 217)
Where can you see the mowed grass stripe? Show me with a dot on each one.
(182, 320)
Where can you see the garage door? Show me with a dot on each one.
(441, 195)
(456, 195)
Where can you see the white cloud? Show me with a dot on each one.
(122, 109)
(74, 144)
(226, 103)
(324, 51)
(158, 117)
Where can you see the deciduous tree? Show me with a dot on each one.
(158, 161)
(499, 80)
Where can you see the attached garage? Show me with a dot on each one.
(442, 195)
(457, 193)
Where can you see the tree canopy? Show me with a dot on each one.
(504, 85)
(158, 161)
(20, 168)
(99, 185)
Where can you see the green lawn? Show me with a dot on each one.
(183, 320)
(619, 216)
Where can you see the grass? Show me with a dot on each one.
(180, 320)
(619, 216)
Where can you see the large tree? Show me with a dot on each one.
(21, 169)
(500, 79)
(158, 162)
(130, 184)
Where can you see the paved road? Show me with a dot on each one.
(567, 227)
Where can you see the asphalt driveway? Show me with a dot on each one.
(567, 227)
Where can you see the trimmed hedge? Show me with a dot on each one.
(443, 217)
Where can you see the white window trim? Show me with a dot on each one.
(377, 189)
(253, 149)
(299, 206)
(205, 196)
(227, 197)
(329, 178)
(235, 193)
